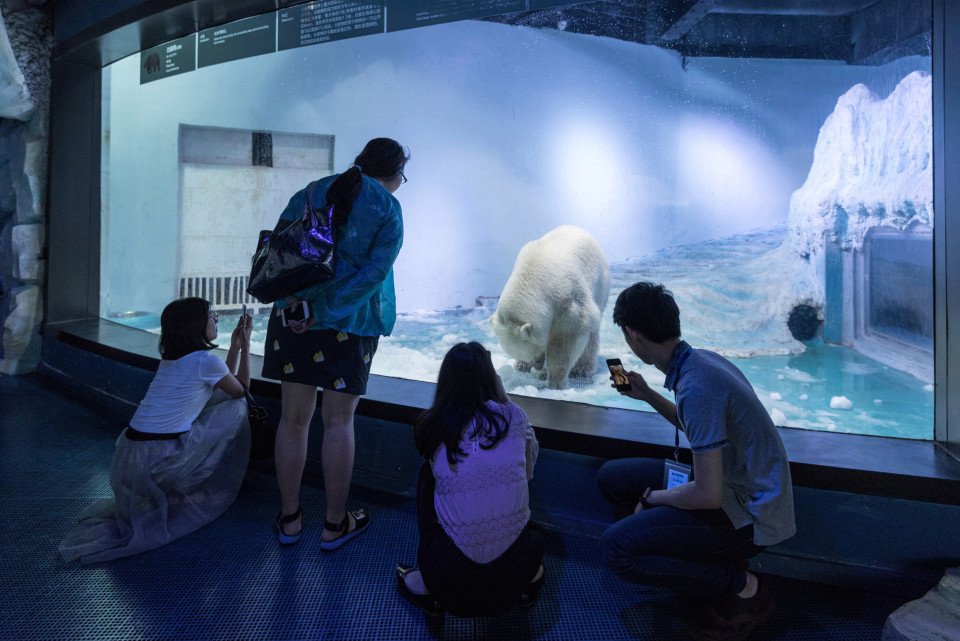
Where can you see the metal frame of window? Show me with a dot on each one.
(73, 239)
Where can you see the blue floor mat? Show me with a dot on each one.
(231, 580)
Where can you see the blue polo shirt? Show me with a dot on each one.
(717, 408)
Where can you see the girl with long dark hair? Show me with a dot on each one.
(333, 347)
(479, 553)
(181, 461)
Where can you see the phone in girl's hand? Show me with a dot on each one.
(296, 312)
(243, 314)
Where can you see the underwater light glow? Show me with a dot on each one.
(729, 176)
(591, 166)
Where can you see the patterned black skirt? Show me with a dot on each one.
(325, 358)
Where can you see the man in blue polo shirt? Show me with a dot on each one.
(697, 536)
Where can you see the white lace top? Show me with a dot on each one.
(482, 502)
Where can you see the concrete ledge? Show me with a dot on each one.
(890, 467)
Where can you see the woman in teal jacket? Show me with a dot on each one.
(333, 347)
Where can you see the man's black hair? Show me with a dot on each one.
(648, 308)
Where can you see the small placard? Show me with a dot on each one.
(675, 474)
(169, 59)
(241, 39)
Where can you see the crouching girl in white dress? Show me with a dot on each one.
(180, 463)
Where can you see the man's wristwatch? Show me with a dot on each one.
(643, 498)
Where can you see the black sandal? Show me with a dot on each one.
(283, 519)
(361, 521)
(531, 593)
(425, 602)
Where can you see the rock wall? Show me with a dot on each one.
(25, 45)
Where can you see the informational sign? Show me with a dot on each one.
(169, 59)
(299, 24)
(241, 39)
(403, 14)
(316, 22)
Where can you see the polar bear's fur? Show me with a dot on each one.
(549, 312)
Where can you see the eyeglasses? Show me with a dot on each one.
(403, 178)
(215, 316)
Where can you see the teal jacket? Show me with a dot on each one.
(360, 298)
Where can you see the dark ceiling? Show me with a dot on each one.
(855, 31)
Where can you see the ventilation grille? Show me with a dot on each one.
(223, 292)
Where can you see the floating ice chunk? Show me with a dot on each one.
(840, 403)
(928, 387)
(779, 418)
(831, 427)
(798, 376)
(878, 401)
(858, 369)
(780, 377)
(804, 397)
(775, 396)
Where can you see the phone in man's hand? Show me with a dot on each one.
(296, 312)
(620, 380)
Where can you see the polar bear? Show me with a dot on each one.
(550, 309)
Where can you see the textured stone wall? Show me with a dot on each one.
(25, 45)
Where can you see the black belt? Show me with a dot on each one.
(137, 435)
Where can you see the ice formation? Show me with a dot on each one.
(872, 166)
(779, 418)
(841, 403)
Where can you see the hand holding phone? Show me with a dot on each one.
(618, 375)
(297, 312)
(241, 333)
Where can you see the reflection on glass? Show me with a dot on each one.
(786, 203)
(901, 297)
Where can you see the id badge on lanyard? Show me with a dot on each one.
(674, 472)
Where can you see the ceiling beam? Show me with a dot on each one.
(695, 11)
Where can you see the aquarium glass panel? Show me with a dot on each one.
(778, 197)
(901, 299)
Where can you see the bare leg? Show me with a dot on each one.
(298, 402)
(337, 410)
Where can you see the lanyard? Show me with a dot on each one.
(676, 372)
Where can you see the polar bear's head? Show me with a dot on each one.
(519, 339)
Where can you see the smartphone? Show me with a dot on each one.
(620, 380)
(296, 312)
(243, 314)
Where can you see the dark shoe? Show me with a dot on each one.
(283, 519)
(425, 602)
(360, 523)
(530, 595)
(736, 618)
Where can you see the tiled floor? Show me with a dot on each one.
(232, 581)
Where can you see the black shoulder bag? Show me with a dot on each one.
(294, 255)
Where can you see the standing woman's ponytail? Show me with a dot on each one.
(381, 158)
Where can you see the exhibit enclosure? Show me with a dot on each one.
(786, 203)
